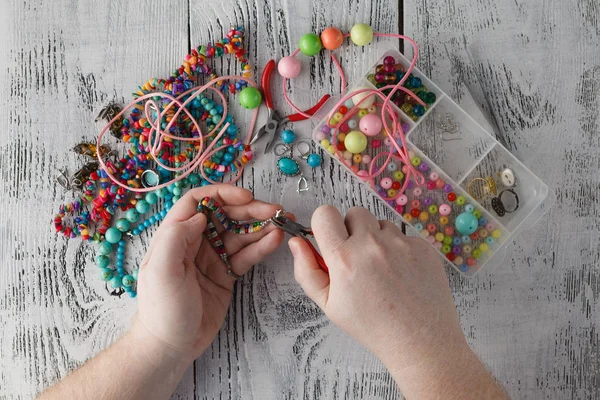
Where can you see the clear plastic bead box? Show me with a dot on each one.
(468, 153)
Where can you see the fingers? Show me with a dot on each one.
(255, 209)
(313, 280)
(389, 226)
(359, 219)
(172, 244)
(328, 227)
(254, 253)
(187, 206)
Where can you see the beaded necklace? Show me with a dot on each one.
(107, 197)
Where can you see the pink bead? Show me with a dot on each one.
(489, 227)
(221, 168)
(366, 159)
(434, 176)
(415, 203)
(431, 239)
(438, 245)
(363, 174)
(375, 143)
(444, 210)
(354, 169)
(320, 136)
(405, 169)
(387, 141)
(386, 183)
(440, 183)
(431, 228)
(417, 191)
(399, 209)
(402, 200)
(370, 125)
(448, 230)
(430, 185)
(289, 67)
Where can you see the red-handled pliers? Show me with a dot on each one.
(274, 121)
(295, 229)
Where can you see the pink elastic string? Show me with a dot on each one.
(156, 134)
(284, 85)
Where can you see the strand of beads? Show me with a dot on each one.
(209, 206)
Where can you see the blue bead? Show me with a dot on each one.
(231, 150)
(120, 256)
(142, 206)
(490, 240)
(213, 112)
(314, 160)
(469, 208)
(147, 223)
(132, 294)
(419, 110)
(415, 82)
(104, 248)
(219, 108)
(349, 103)
(152, 220)
(127, 281)
(466, 239)
(463, 267)
(466, 223)
(163, 213)
(418, 226)
(120, 270)
(288, 166)
(102, 261)
(216, 119)
(288, 136)
(229, 120)
(151, 198)
(135, 232)
(228, 157)
(132, 215)
(482, 221)
(106, 274)
(113, 235)
(115, 282)
(456, 241)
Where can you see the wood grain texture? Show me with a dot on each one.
(534, 319)
(61, 62)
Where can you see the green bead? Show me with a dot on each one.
(102, 261)
(430, 98)
(176, 191)
(477, 214)
(113, 235)
(447, 240)
(134, 273)
(142, 206)
(193, 178)
(476, 253)
(106, 274)
(151, 198)
(132, 215)
(184, 183)
(250, 97)
(123, 224)
(115, 282)
(127, 280)
(310, 44)
(361, 34)
(104, 248)
(460, 200)
(446, 249)
(175, 199)
(161, 193)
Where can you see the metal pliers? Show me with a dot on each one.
(281, 221)
(275, 121)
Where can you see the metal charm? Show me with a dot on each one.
(90, 150)
(146, 178)
(508, 177)
(303, 154)
(108, 113)
(302, 185)
(449, 128)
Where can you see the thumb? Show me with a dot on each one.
(313, 280)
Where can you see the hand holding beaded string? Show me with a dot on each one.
(184, 289)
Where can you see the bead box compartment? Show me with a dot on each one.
(475, 153)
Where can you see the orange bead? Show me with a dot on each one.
(332, 38)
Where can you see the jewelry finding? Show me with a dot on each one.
(91, 150)
(480, 189)
(508, 177)
(150, 178)
(307, 148)
(302, 185)
(499, 206)
(282, 149)
(288, 166)
(108, 113)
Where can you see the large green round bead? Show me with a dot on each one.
(104, 248)
(132, 215)
(310, 44)
(102, 261)
(142, 206)
(361, 34)
(123, 225)
(113, 235)
(250, 97)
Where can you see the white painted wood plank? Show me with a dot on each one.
(534, 319)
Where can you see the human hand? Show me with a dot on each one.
(183, 287)
(387, 290)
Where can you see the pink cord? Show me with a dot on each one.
(386, 111)
(150, 108)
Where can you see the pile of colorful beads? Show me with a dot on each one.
(111, 191)
(390, 73)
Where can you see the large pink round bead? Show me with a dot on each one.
(445, 210)
(289, 67)
(370, 125)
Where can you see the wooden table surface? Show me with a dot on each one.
(533, 320)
